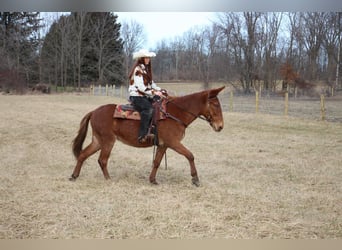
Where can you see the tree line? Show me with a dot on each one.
(239, 48)
(243, 48)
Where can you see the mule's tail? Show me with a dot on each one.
(82, 133)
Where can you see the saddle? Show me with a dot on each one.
(127, 111)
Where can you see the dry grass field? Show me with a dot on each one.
(261, 177)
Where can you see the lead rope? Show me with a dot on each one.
(154, 147)
(154, 154)
(165, 160)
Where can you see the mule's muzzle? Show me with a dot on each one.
(217, 127)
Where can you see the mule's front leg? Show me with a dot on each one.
(193, 171)
(156, 162)
(195, 181)
(186, 152)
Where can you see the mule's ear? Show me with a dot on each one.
(214, 92)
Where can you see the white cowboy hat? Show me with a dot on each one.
(143, 53)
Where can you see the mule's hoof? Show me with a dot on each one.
(154, 182)
(195, 181)
(72, 178)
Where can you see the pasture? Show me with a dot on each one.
(262, 176)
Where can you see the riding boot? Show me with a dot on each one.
(144, 125)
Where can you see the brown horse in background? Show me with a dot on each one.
(181, 112)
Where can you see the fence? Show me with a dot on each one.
(319, 108)
(108, 90)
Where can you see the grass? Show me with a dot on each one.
(263, 176)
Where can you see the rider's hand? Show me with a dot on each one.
(158, 93)
(164, 92)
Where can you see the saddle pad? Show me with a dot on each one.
(126, 111)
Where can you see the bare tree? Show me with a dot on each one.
(178, 48)
(107, 46)
(133, 36)
(162, 63)
(80, 20)
(211, 36)
(331, 43)
(268, 43)
(51, 50)
(339, 20)
(296, 52)
(192, 46)
(64, 27)
(240, 30)
(313, 29)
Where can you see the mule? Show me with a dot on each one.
(181, 112)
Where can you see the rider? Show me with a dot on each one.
(142, 90)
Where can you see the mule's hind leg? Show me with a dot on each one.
(103, 158)
(92, 148)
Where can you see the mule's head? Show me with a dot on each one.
(213, 111)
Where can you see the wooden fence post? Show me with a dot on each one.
(322, 108)
(257, 102)
(231, 101)
(106, 89)
(286, 103)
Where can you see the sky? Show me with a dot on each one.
(166, 25)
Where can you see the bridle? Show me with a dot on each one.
(202, 117)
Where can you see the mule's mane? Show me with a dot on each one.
(185, 97)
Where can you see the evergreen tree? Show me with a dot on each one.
(19, 40)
